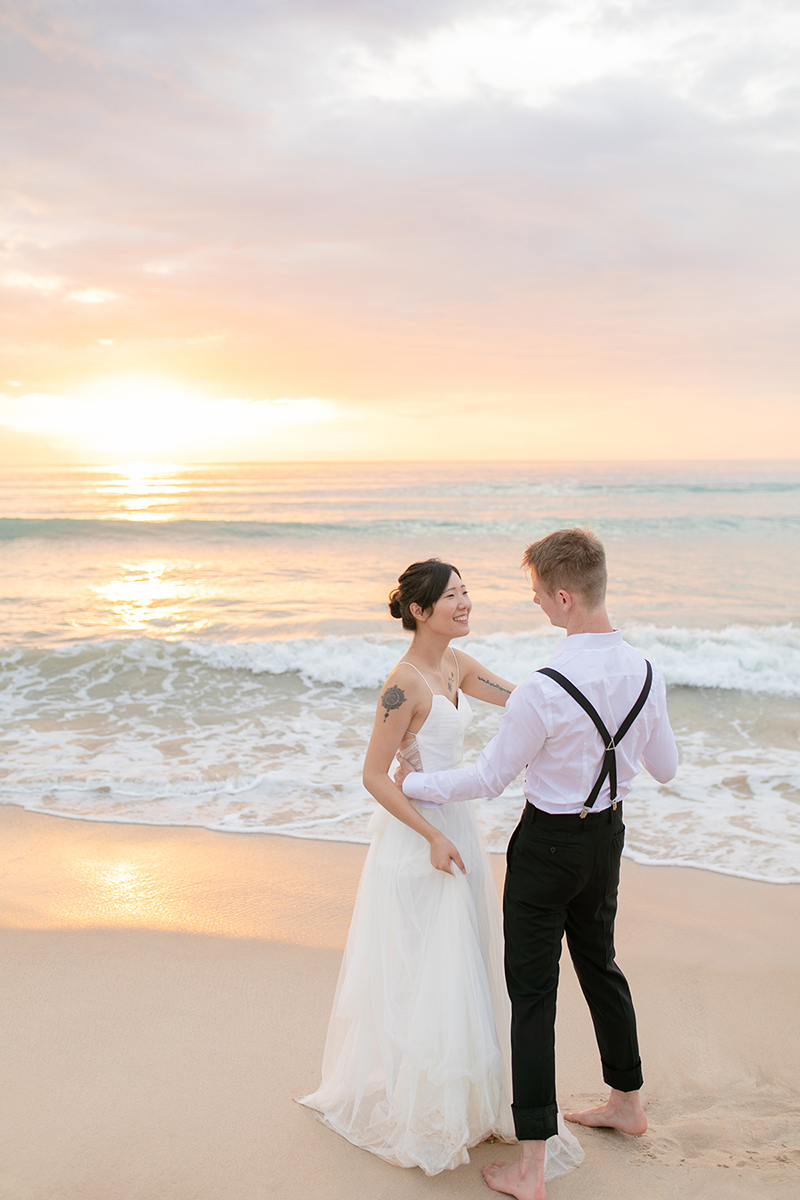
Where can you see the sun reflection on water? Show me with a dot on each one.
(148, 594)
(144, 491)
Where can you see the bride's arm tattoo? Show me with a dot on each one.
(394, 697)
(505, 691)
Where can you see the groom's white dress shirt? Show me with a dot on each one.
(545, 731)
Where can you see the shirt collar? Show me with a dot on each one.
(589, 641)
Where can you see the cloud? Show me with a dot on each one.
(90, 296)
(35, 283)
(383, 202)
(47, 284)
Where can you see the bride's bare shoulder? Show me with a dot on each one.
(465, 661)
(404, 685)
(404, 674)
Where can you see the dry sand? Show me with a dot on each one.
(165, 994)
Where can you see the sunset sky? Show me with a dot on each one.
(400, 229)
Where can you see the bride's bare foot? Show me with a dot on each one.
(523, 1179)
(622, 1111)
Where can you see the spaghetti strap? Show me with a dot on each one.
(458, 673)
(422, 677)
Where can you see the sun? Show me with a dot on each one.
(155, 420)
(146, 418)
(143, 418)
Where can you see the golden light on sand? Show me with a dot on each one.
(129, 891)
(128, 876)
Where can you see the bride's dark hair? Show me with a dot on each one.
(422, 583)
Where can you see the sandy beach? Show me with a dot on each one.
(166, 992)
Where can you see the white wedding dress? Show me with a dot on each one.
(416, 1066)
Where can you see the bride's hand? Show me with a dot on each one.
(443, 852)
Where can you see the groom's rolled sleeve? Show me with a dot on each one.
(520, 737)
(660, 755)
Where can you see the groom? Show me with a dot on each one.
(581, 729)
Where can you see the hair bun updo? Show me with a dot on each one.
(422, 583)
(395, 608)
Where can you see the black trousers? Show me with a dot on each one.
(562, 877)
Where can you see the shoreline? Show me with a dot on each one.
(167, 992)
(627, 855)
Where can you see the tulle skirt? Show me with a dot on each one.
(416, 1066)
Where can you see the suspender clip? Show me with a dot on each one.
(614, 806)
(584, 812)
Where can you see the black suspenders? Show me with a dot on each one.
(609, 767)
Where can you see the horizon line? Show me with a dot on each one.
(331, 462)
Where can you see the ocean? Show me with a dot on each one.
(204, 645)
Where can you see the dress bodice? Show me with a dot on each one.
(440, 741)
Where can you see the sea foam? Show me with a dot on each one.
(269, 736)
(765, 659)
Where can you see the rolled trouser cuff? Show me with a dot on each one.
(535, 1124)
(624, 1081)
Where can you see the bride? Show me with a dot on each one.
(416, 1065)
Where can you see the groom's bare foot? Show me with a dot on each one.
(523, 1179)
(622, 1111)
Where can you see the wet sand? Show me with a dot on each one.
(165, 995)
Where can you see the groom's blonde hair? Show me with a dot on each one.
(570, 559)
